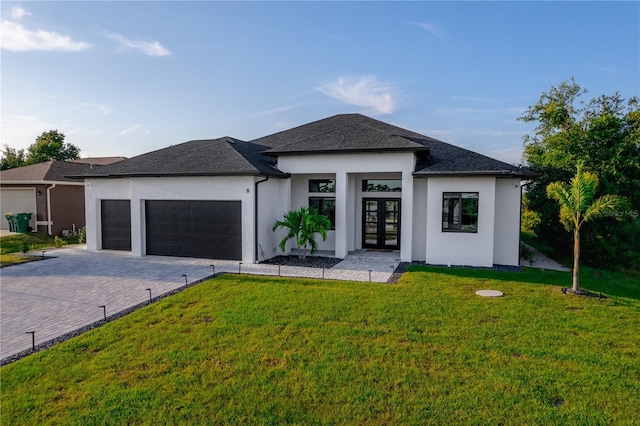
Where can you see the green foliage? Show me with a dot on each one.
(51, 146)
(303, 225)
(82, 238)
(604, 133)
(35, 240)
(529, 219)
(48, 146)
(269, 350)
(25, 246)
(12, 158)
(59, 242)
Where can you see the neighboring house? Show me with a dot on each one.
(384, 188)
(55, 201)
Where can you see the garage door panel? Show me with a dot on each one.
(116, 224)
(194, 228)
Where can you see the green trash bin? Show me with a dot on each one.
(11, 218)
(22, 222)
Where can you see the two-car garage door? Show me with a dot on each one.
(208, 229)
(185, 228)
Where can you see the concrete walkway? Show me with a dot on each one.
(542, 262)
(59, 295)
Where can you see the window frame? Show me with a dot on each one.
(365, 186)
(452, 226)
(329, 185)
(322, 200)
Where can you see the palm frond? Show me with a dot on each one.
(603, 206)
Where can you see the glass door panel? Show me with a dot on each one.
(381, 223)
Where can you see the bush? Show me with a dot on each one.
(83, 235)
(25, 247)
(59, 242)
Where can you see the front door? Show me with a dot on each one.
(381, 223)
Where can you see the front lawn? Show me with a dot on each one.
(18, 243)
(268, 350)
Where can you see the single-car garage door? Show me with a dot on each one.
(115, 216)
(207, 229)
(18, 200)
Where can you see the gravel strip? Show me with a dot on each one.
(308, 262)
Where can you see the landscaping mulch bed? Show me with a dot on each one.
(307, 262)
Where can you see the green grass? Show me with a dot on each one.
(14, 259)
(531, 239)
(16, 243)
(261, 350)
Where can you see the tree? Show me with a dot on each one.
(303, 225)
(603, 132)
(51, 146)
(578, 206)
(12, 158)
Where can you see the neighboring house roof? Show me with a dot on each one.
(98, 161)
(212, 157)
(356, 132)
(49, 171)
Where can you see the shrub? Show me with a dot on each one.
(59, 242)
(83, 235)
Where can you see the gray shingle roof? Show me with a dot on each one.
(212, 157)
(337, 134)
(356, 132)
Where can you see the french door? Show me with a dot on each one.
(381, 223)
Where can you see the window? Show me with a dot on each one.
(326, 206)
(382, 185)
(460, 212)
(322, 185)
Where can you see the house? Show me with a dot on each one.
(383, 187)
(55, 201)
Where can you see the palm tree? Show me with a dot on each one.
(303, 225)
(577, 206)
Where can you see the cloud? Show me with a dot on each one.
(19, 13)
(20, 131)
(103, 109)
(16, 38)
(149, 48)
(430, 28)
(127, 130)
(366, 91)
(276, 110)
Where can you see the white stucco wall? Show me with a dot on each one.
(507, 222)
(419, 237)
(273, 202)
(458, 248)
(138, 190)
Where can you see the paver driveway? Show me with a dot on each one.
(56, 296)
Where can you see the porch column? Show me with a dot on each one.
(341, 215)
(406, 224)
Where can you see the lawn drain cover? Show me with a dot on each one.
(489, 293)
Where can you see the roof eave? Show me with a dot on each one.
(139, 175)
(491, 173)
(276, 153)
(41, 182)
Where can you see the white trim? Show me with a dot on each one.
(41, 182)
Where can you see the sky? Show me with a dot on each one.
(125, 78)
